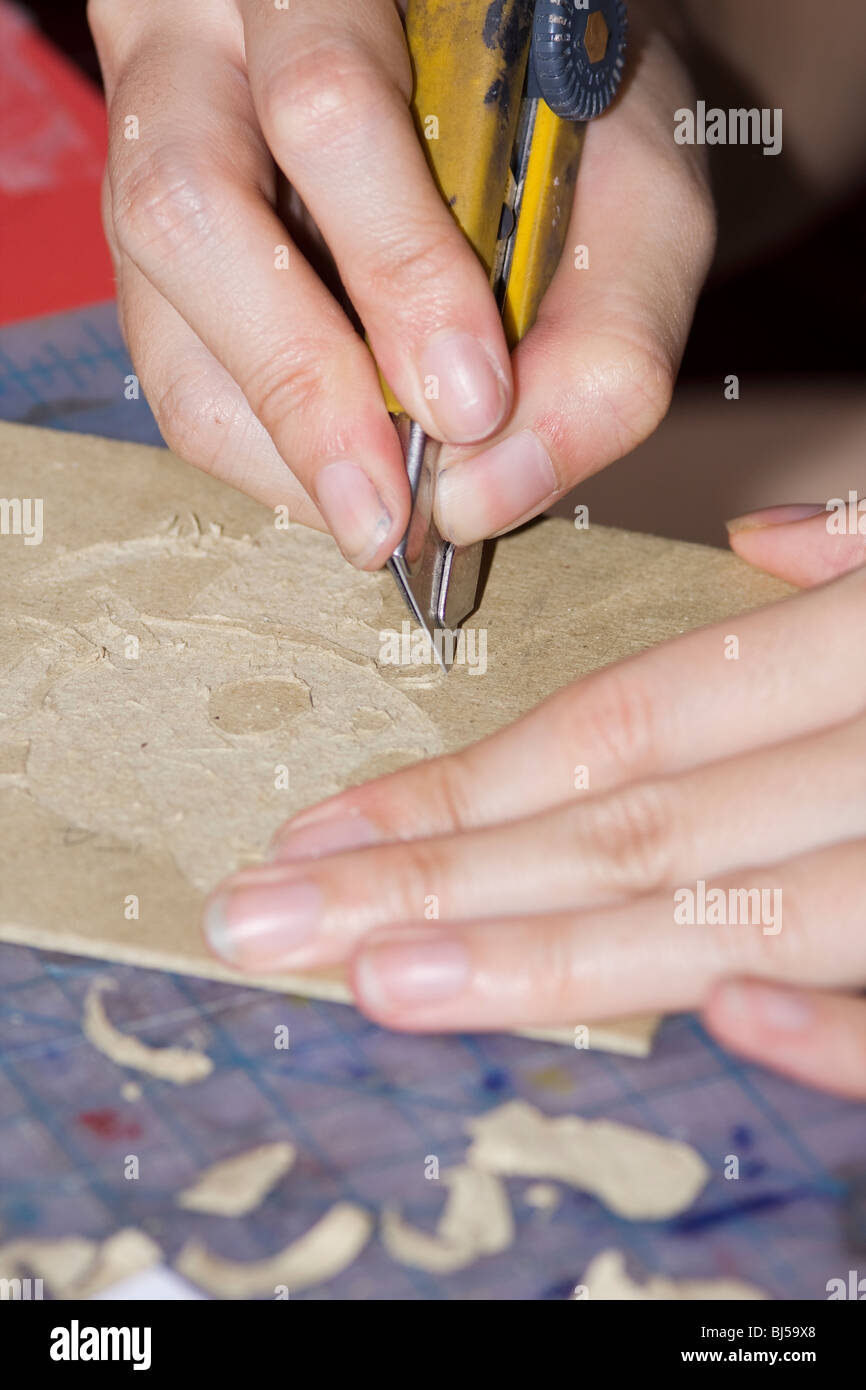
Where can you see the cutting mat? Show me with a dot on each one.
(366, 1108)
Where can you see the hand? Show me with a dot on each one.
(257, 375)
(561, 907)
(594, 375)
(249, 366)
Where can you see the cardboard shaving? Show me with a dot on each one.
(320, 1254)
(238, 1185)
(476, 1221)
(124, 1254)
(181, 1065)
(59, 1263)
(606, 1278)
(639, 1175)
(75, 1267)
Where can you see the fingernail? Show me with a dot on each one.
(353, 509)
(499, 488)
(323, 837)
(258, 926)
(774, 516)
(784, 1009)
(468, 394)
(415, 966)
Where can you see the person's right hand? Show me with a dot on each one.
(249, 367)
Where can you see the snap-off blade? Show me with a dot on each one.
(438, 580)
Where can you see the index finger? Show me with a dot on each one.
(331, 86)
(675, 707)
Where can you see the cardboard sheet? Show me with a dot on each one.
(178, 675)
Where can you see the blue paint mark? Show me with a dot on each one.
(21, 1214)
(564, 1289)
(753, 1168)
(495, 1080)
(742, 1135)
(767, 1201)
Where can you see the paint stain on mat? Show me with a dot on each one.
(107, 1124)
(765, 1201)
(552, 1079)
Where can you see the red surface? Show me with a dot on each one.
(52, 151)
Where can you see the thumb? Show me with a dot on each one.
(804, 544)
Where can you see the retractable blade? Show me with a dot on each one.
(438, 580)
(502, 95)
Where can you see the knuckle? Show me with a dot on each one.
(412, 267)
(161, 201)
(625, 384)
(318, 95)
(453, 794)
(613, 725)
(437, 796)
(796, 936)
(751, 942)
(557, 966)
(634, 835)
(288, 386)
(192, 418)
(420, 875)
(635, 384)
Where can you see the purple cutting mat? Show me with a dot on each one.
(364, 1107)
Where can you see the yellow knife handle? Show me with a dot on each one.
(469, 60)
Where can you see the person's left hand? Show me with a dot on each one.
(561, 907)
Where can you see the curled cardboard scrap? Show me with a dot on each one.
(637, 1174)
(608, 1279)
(476, 1221)
(181, 1065)
(76, 1267)
(237, 1185)
(323, 1252)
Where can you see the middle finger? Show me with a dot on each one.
(539, 970)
